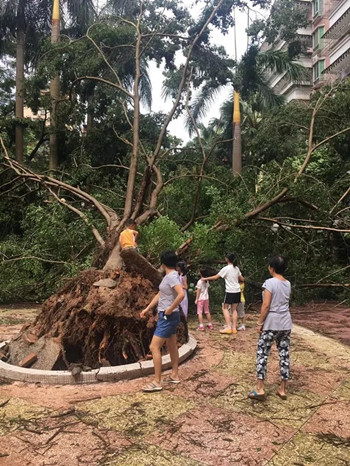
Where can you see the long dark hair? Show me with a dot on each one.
(232, 258)
(182, 266)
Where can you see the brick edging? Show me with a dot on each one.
(104, 374)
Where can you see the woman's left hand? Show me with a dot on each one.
(167, 312)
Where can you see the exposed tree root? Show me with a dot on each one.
(94, 325)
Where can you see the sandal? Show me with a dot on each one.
(169, 379)
(152, 387)
(283, 397)
(253, 395)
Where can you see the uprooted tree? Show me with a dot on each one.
(94, 319)
(88, 321)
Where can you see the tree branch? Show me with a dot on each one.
(305, 227)
(101, 80)
(340, 199)
(182, 83)
(49, 182)
(94, 230)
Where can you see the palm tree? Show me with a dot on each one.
(249, 80)
(81, 13)
(20, 22)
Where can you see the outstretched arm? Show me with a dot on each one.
(214, 277)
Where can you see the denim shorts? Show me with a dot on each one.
(166, 328)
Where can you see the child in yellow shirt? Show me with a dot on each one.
(241, 309)
(128, 237)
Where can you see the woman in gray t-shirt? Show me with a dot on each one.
(275, 324)
(170, 295)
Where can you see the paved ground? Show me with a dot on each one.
(206, 420)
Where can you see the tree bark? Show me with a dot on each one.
(135, 129)
(54, 93)
(237, 142)
(90, 117)
(19, 93)
(237, 151)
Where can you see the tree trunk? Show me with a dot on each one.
(90, 117)
(19, 93)
(237, 143)
(237, 151)
(54, 92)
(135, 130)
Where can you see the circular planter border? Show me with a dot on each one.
(103, 374)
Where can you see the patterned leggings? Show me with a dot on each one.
(267, 337)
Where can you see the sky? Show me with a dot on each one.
(177, 127)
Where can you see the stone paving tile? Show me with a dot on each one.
(330, 418)
(311, 450)
(320, 382)
(135, 415)
(219, 437)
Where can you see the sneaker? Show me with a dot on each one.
(226, 331)
(200, 328)
(210, 326)
(242, 327)
(234, 331)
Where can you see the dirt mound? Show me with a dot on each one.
(94, 325)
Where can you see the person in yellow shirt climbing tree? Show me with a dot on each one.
(128, 237)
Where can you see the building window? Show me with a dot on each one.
(317, 70)
(317, 7)
(317, 38)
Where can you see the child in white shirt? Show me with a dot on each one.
(233, 277)
(202, 301)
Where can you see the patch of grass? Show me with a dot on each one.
(15, 412)
(135, 415)
(139, 455)
(236, 364)
(307, 449)
(334, 439)
(343, 391)
(11, 321)
(292, 412)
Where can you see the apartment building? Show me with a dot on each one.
(279, 82)
(335, 40)
(327, 56)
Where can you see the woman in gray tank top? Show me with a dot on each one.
(274, 324)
